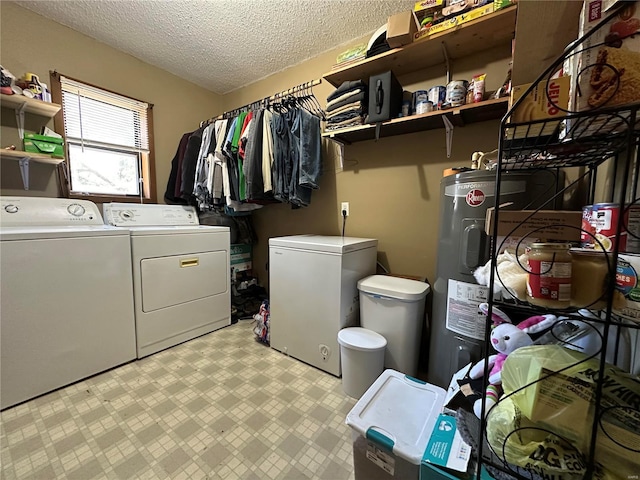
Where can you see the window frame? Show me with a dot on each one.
(147, 161)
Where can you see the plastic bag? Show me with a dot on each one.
(519, 441)
(563, 403)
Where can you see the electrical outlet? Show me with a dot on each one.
(344, 208)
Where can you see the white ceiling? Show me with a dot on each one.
(222, 45)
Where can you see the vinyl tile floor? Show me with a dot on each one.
(221, 406)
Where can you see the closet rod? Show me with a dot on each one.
(275, 96)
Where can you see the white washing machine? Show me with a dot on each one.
(66, 304)
(181, 273)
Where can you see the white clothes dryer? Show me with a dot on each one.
(181, 273)
(66, 303)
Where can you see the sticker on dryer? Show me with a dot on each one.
(463, 316)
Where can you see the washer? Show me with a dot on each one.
(181, 273)
(66, 302)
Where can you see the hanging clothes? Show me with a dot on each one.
(252, 165)
(189, 166)
(267, 150)
(257, 157)
(170, 193)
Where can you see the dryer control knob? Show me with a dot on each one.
(126, 214)
(76, 209)
(11, 208)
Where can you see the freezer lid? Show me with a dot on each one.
(398, 412)
(323, 243)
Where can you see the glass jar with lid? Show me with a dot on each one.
(590, 272)
(549, 275)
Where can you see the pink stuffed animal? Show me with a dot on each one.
(505, 338)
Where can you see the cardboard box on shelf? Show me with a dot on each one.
(428, 13)
(453, 22)
(44, 144)
(537, 106)
(562, 225)
(609, 60)
(401, 27)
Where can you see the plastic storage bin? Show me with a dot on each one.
(362, 358)
(391, 426)
(394, 308)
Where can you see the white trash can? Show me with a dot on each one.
(362, 359)
(394, 308)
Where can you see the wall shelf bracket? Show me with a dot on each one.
(24, 171)
(448, 134)
(447, 63)
(20, 119)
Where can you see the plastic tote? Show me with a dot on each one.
(391, 425)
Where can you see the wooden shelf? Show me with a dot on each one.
(25, 158)
(459, 116)
(36, 157)
(31, 105)
(475, 36)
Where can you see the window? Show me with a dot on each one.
(109, 142)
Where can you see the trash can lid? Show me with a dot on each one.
(394, 287)
(362, 339)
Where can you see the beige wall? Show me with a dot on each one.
(32, 43)
(392, 185)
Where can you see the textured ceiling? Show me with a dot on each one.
(222, 45)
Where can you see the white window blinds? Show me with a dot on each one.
(98, 118)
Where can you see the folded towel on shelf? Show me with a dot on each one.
(342, 100)
(344, 88)
(345, 108)
(347, 115)
(347, 123)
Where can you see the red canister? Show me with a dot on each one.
(587, 230)
(605, 218)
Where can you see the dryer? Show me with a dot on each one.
(65, 296)
(181, 273)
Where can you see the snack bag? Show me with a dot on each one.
(563, 402)
(519, 441)
(478, 87)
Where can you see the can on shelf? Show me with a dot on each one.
(549, 275)
(456, 92)
(626, 297)
(631, 228)
(406, 108)
(437, 95)
(587, 230)
(424, 107)
(605, 217)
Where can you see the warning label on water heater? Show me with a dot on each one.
(463, 316)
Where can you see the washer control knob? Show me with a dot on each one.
(76, 209)
(11, 208)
